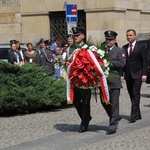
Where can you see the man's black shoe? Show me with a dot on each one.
(131, 120)
(110, 132)
(90, 118)
(82, 129)
(120, 117)
(138, 118)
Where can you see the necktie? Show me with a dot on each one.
(130, 50)
(108, 50)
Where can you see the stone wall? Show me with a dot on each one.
(10, 20)
(28, 20)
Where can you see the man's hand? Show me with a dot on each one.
(144, 78)
(122, 79)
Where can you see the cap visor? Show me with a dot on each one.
(77, 34)
(109, 38)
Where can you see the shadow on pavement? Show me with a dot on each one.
(145, 95)
(147, 105)
(125, 117)
(75, 128)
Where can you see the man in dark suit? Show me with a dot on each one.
(135, 72)
(118, 60)
(148, 50)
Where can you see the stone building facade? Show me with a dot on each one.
(29, 20)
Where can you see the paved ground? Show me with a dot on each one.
(58, 130)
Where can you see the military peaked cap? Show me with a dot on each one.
(110, 34)
(47, 42)
(41, 40)
(77, 30)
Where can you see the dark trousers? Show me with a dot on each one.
(112, 109)
(82, 104)
(134, 87)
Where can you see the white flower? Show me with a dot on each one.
(93, 48)
(106, 73)
(101, 53)
(106, 63)
(85, 46)
(108, 69)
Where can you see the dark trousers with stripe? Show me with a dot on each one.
(112, 109)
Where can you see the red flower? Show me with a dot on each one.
(95, 54)
(78, 82)
(82, 52)
(101, 62)
(79, 63)
(80, 75)
(68, 62)
(84, 79)
(85, 60)
(75, 72)
(89, 67)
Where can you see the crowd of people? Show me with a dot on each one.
(52, 56)
(131, 63)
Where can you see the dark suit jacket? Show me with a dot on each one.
(12, 57)
(136, 66)
(118, 60)
(148, 52)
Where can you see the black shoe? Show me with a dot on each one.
(120, 117)
(82, 129)
(90, 118)
(110, 132)
(131, 120)
(138, 118)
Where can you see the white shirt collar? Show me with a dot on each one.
(133, 44)
(111, 47)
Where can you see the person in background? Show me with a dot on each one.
(57, 42)
(39, 49)
(20, 50)
(64, 57)
(12, 41)
(70, 46)
(57, 62)
(30, 54)
(46, 59)
(134, 72)
(14, 56)
(118, 61)
(48, 44)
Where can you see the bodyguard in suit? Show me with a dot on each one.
(148, 50)
(135, 72)
(118, 60)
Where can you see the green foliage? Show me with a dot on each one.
(90, 42)
(27, 89)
